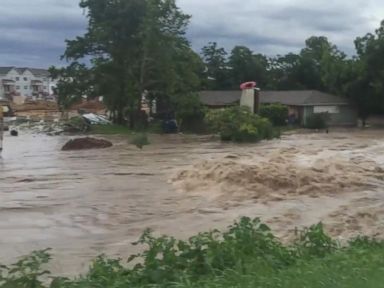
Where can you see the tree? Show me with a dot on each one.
(217, 70)
(366, 88)
(134, 47)
(284, 73)
(320, 66)
(322, 63)
(245, 66)
(73, 82)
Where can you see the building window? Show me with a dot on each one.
(17, 78)
(25, 79)
(17, 87)
(326, 109)
(44, 79)
(25, 87)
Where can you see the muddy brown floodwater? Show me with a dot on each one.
(85, 203)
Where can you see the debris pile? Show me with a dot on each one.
(86, 143)
(95, 119)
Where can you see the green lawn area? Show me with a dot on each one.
(246, 255)
(348, 268)
(112, 129)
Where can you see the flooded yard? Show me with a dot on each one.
(82, 204)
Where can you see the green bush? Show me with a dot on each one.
(189, 112)
(76, 124)
(247, 254)
(276, 113)
(317, 121)
(239, 124)
(140, 140)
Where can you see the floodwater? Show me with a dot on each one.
(82, 204)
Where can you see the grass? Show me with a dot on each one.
(246, 255)
(114, 129)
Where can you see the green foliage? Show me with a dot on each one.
(239, 124)
(134, 47)
(247, 66)
(140, 140)
(189, 110)
(25, 273)
(247, 254)
(73, 82)
(276, 113)
(76, 124)
(317, 121)
(314, 242)
(365, 86)
(217, 74)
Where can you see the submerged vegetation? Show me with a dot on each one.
(246, 255)
(239, 124)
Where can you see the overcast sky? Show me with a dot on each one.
(33, 31)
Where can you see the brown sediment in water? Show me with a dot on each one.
(279, 177)
(85, 203)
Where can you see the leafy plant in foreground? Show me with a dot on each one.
(246, 255)
(25, 273)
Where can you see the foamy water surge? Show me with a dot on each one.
(86, 203)
(279, 177)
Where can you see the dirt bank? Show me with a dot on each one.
(86, 144)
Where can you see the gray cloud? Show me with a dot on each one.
(281, 26)
(33, 32)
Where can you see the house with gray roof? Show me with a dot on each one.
(301, 104)
(17, 84)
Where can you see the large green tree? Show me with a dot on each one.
(217, 74)
(366, 86)
(135, 47)
(247, 66)
(284, 73)
(73, 83)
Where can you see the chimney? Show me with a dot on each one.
(250, 96)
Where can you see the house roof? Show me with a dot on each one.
(219, 98)
(39, 72)
(291, 98)
(301, 98)
(34, 71)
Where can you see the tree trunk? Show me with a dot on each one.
(132, 118)
(120, 116)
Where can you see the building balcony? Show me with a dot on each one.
(37, 83)
(8, 82)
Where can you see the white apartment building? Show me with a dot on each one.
(18, 84)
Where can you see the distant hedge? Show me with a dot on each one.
(317, 121)
(239, 124)
(276, 113)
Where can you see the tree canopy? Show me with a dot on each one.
(134, 48)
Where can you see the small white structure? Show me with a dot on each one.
(23, 83)
(248, 99)
(249, 96)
